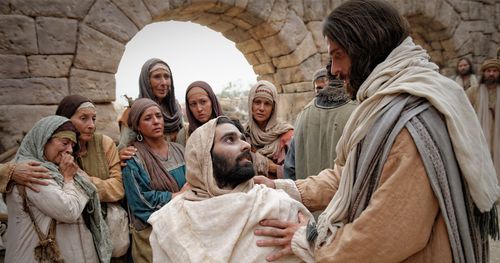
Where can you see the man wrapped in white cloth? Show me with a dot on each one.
(215, 220)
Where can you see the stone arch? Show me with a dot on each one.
(49, 50)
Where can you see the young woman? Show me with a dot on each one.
(201, 106)
(66, 211)
(268, 137)
(153, 176)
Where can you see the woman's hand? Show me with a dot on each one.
(282, 233)
(126, 154)
(68, 167)
(30, 173)
(259, 179)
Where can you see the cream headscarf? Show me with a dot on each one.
(407, 69)
(267, 141)
(199, 165)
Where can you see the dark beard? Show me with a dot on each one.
(490, 81)
(230, 177)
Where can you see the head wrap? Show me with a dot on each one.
(266, 141)
(172, 114)
(319, 73)
(199, 170)
(490, 63)
(139, 106)
(216, 108)
(70, 104)
(32, 148)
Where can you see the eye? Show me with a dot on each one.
(229, 139)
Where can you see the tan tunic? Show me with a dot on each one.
(4, 176)
(111, 189)
(64, 204)
(402, 222)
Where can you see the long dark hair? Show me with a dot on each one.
(471, 69)
(367, 30)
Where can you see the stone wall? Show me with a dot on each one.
(52, 48)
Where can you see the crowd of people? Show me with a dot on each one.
(389, 162)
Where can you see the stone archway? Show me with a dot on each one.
(49, 50)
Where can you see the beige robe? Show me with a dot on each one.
(402, 222)
(64, 204)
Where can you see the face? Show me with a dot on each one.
(463, 67)
(160, 83)
(55, 148)
(341, 62)
(231, 159)
(262, 109)
(151, 123)
(491, 75)
(84, 121)
(200, 105)
(320, 83)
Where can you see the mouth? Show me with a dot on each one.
(246, 156)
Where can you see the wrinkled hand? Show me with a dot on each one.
(30, 173)
(126, 154)
(282, 233)
(68, 167)
(259, 179)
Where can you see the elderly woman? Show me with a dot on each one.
(268, 137)
(201, 106)
(154, 176)
(98, 157)
(156, 83)
(68, 208)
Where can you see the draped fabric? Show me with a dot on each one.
(172, 113)
(266, 141)
(216, 108)
(407, 69)
(32, 148)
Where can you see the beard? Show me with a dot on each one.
(231, 176)
(490, 81)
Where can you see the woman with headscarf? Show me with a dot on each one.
(268, 137)
(156, 83)
(64, 217)
(201, 106)
(153, 176)
(98, 157)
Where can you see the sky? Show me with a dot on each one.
(192, 51)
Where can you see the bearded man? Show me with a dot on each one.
(214, 220)
(413, 180)
(465, 74)
(485, 99)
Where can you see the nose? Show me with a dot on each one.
(335, 70)
(69, 149)
(199, 108)
(245, 146)
(163, 80)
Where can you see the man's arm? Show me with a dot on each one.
(28, 174)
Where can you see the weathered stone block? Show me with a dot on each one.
(56, 35)
(33, 91)
(248, 46)
(4, 7)
(17, 35)
(316, 28)
(306, 49)
(314, 10)
(292, 33)
(300, 73)
(221, 26)
(297, 6)
(257, 11)
(135, 11)
(238, 7)
(475, 10)
(97, 51)
(262, 56)
(97, 86)
(13, 66)
(107, 18)
(17, 120)
(266, 68)
(56, 8)
(206, 19)
(298, 87)
(50, 66)
(290, 104)
(252, 59)
(157, 8)
(107, 121)
(236, 35)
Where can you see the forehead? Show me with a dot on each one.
(225, 128)
(332, 45)
(463, 62)
(151, 110)
(159, 71)
(85, 111)
(262, 99)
